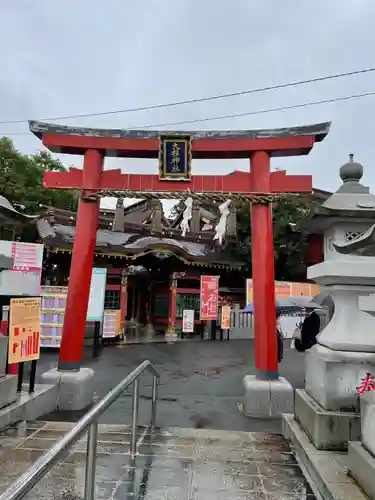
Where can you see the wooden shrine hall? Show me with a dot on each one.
(148, 260)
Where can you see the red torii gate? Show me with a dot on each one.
(259, 186)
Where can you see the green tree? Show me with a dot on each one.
(21, 179)
(290, 238)
(21, 182)
(288, 215)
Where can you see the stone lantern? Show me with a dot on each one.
(361, 454)
(328, 408)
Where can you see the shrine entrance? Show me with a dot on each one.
(175, 151)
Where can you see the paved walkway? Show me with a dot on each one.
(173, 464)
(201, 383)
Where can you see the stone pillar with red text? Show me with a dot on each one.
(266, 394)
(76, 383)
(172, 309)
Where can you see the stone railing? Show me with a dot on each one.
(241, 324)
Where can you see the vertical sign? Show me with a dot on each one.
(111, 323)
(95, 308)
(24, 330)
(175, 157)
(118, 323)
(225, 318)
(209, 307)
(249, 291)
(188, 321)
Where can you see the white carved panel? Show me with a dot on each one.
(352, 235)
(342, 233)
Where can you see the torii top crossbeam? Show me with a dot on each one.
(280, 142)
(289, 141)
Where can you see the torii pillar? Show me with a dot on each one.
(263, 391)
(263, 271)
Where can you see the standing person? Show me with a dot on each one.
(309, 331)
(280, 337)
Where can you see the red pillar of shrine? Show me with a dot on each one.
(172, 309)
(82, 263)
(263, 271)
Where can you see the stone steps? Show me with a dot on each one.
(25, 406)
(172, 463)
(8, 390)
(326, 470)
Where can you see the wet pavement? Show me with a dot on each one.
(200, 383)
(172, 464)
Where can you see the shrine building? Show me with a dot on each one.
(147, 257)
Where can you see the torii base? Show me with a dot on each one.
(75, 388)
(267, 398)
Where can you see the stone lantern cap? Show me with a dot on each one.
(352, 202)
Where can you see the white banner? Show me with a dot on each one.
(95, 309)
(188, 321)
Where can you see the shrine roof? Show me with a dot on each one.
(9, 215)
(131, 246)
(134, 215)
(136, 143)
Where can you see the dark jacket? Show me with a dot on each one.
(280, 346)
(309, 331)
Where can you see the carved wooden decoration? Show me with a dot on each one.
(119, 219)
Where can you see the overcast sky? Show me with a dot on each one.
(82, 56)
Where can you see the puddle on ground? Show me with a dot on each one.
(209, 372)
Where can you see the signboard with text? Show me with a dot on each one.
(95, 308)
(284, 289)
(24, 330)
(249, 291)
(188, 321)
(175, 157)
(21, 265)
(26, 256)
(225, 318)
(111, 323)
(301, 289)
(209, 296)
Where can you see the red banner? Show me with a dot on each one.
(209, 297)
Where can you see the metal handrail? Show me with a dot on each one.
(26, 482)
